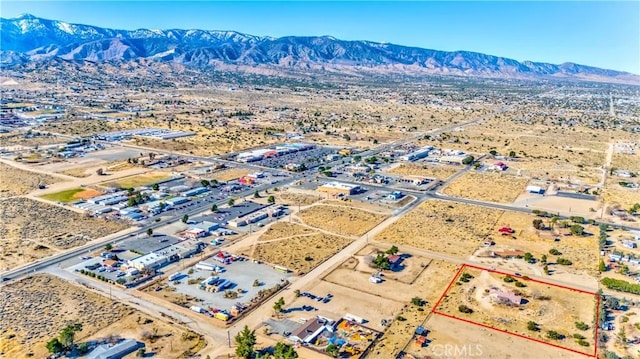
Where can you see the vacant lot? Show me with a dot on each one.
(626, 162)
(230, 174)
(15, 182)
(550, 308)
(30, 229)
(281, 230)
(300, 253)
(624, 198)
(487, 187)
(139, 180)
(19, 139)
(446, 227)
(481, 342)
(440, 172)
(341, 219)
(36, 309)
(299, 199)
(71, 195)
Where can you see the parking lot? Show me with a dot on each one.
(310, 158)
(241, 273)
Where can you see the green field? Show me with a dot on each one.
(63, 196)
(137, 181)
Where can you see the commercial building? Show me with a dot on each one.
(336, 188)
(417, 155)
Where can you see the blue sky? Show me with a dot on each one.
(602, 34)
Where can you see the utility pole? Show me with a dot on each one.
(229, 338)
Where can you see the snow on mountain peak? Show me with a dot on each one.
(65, 27)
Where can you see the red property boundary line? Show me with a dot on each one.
(455, 278)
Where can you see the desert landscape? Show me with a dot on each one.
(53, 303)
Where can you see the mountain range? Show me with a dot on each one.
(28, 38)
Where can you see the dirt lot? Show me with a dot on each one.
(447, 227)
(487, 187)
(86, 171)
(281, 230)
(625, 198)
(15, 182)
(433, 282)
(552, 308)
(23, 234)
(449, 334)
(626, 162)
(35, 309)
(440, 172)
(230, 174)
(340, 219)
(299, 252)
(299, 199)
(18, 139)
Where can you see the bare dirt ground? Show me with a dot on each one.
(487, 187)
(440, 172)
(230, 174)
(626, 162)
(15, 182)
(341, 220)
(34, 310)
(298, 199)
(86, 171)
(474, 341)
(32, 229)
(623, 197)
(19, 139)
(552, 308)
(446, 227)
(433, 281)
(280, 230)
(299, 253)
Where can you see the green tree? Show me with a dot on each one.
(54, 346)
(346, 137)
(185, 218)
(543, 259)
(245, 342)
(493, 152)
(284, 351)
(131, 202)
(533, 326)
(602, 267)
(155, 187)
(528, 257)
(278, 305)
(468, 160)
(382, 262)
(140, 353)
(205, 183)
(512, 154)
(552, 334)
(108, 246)
(553, 221)
(417, 301)
(577, 230)
(357, 158)
(271, 199)
(231, 202)
(256, 194)
(214, 208)
(538, 224)
(149, 232)
(67, 336)
(392, 250)
(332, 350)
